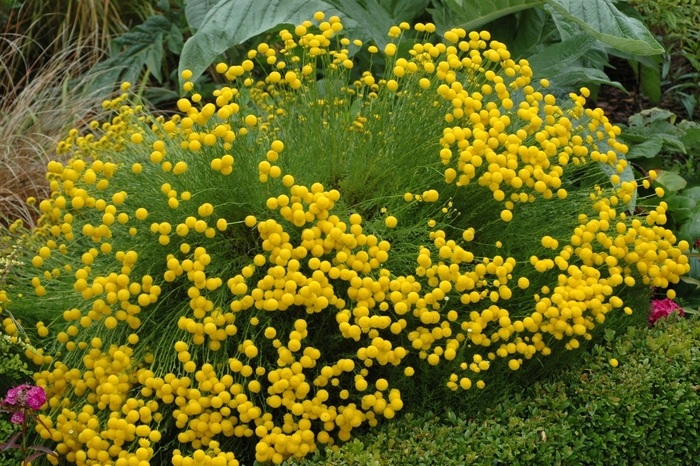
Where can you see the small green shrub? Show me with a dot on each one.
(675, 22)
(13, 371)
(13, 367)
(642, 412)
(7, 429)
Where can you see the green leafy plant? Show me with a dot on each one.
(570, 41)
(599, 18)
(675, 22)
(141, 53)
(580, 23)
(671, 149)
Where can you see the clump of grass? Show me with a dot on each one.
(35, 113)
(41, 29)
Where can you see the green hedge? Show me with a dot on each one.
(645, 411)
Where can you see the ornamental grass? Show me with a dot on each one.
(297, 256)
(35, 114)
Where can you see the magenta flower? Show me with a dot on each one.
(13, 395)
(25, 395)
(662, 308)
(36, 397)
(22, 401)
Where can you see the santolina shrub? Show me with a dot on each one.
(305, 254)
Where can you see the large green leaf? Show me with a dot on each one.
(682, 207)
(372, 19)
(231, 22)
(470, 14)
(557, 57)
(577, 76)
(560, 63)
(196, 11)
(651, 83)
(690, 230)
(140, 47)
(647, 149)
(531, 33)
(671, 181)
(691, 139)
(404, 10)
(602, 20)
(693, 193)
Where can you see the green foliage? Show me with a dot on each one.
(599, 18)
(11, 457)
(673, 150)
(230, 23)
(13, 367)
(643, 412)
(580, 50)
(196, 11)
(602, 20)
(580, 24)
(38, 30)
(375, 17)
(474, 14)
(144, 46)
(676, 23)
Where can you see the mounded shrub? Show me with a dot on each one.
(313, 251)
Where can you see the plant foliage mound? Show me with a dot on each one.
(308, 253)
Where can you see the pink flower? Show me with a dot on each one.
(36, 397)
(25, 395)
(662, 308)
(17, 418)
(15, 394)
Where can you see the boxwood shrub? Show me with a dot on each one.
(644, 411)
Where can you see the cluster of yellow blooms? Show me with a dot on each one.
(195, 273)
